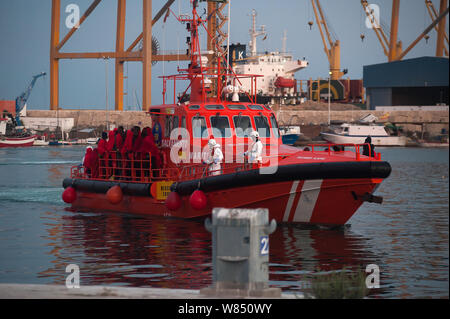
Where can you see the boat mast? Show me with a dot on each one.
(255, 33)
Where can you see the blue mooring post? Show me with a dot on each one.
(240, 239)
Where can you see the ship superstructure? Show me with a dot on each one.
(277, 84)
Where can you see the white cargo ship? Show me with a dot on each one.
(277, 83)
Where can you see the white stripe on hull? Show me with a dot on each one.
(290, 201)
(308, 198)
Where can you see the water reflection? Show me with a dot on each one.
(172, 253)
(407, 236)
(120, 249)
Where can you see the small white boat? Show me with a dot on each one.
(91, 140)
(357, 133)
(40, 142)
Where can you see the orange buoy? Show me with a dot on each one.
(114, 195)
(69, 195)
(153, 190)
(198, 200)
(173, 201)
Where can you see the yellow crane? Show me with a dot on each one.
(332, 46)
(393, 48)
(433, 15)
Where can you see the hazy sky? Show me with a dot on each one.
(25, 43)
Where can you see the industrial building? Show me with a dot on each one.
(414, 82)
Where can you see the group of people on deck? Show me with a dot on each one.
(120, 146)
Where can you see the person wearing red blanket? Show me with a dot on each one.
(148, 146)
(102, 153)
(110, 145)
(90, 162)
(102, 144)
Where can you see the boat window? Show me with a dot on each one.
(273, 121)
(220, 126)
(199, 128)
(243, 125)
(168, 125)
(236, 107)
(194, 107)
(262, 126)
(175, 123)
(215, 107)
(183, 122)
(256, 107)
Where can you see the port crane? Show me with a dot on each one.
(332, 46)
(393, 48)
(21, 100)
(434, 15)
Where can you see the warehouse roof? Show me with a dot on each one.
(417, 72)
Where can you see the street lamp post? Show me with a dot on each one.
(106, 86)
(329, 98)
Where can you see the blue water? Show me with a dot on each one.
(406, 236)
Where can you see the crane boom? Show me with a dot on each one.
(433, 15)
(376, 26)
(332, 48)
(22, 99)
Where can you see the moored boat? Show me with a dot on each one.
(356, 134)
(321, 185)
(19, 141)
(290, 134)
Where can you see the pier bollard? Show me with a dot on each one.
(240, 254)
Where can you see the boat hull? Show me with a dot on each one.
(376, 140)
(315, 193)
(289, 139)
(325, 202)
(17, 142)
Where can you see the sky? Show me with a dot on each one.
(25, 44)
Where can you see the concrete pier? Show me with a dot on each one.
(24, 291)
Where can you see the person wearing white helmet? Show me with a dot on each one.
(255, 150)
(215, 157)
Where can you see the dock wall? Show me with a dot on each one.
(432, 121)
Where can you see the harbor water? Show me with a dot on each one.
(406, 236)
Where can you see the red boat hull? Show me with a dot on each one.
(328, 202)
(17, 142)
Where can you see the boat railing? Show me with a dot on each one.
(199, 171)
(357, 147)
(130, 167)
(137, 167)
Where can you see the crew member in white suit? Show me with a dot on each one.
(255, 150)
(215, 157)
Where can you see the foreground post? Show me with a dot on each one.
(240, 253)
